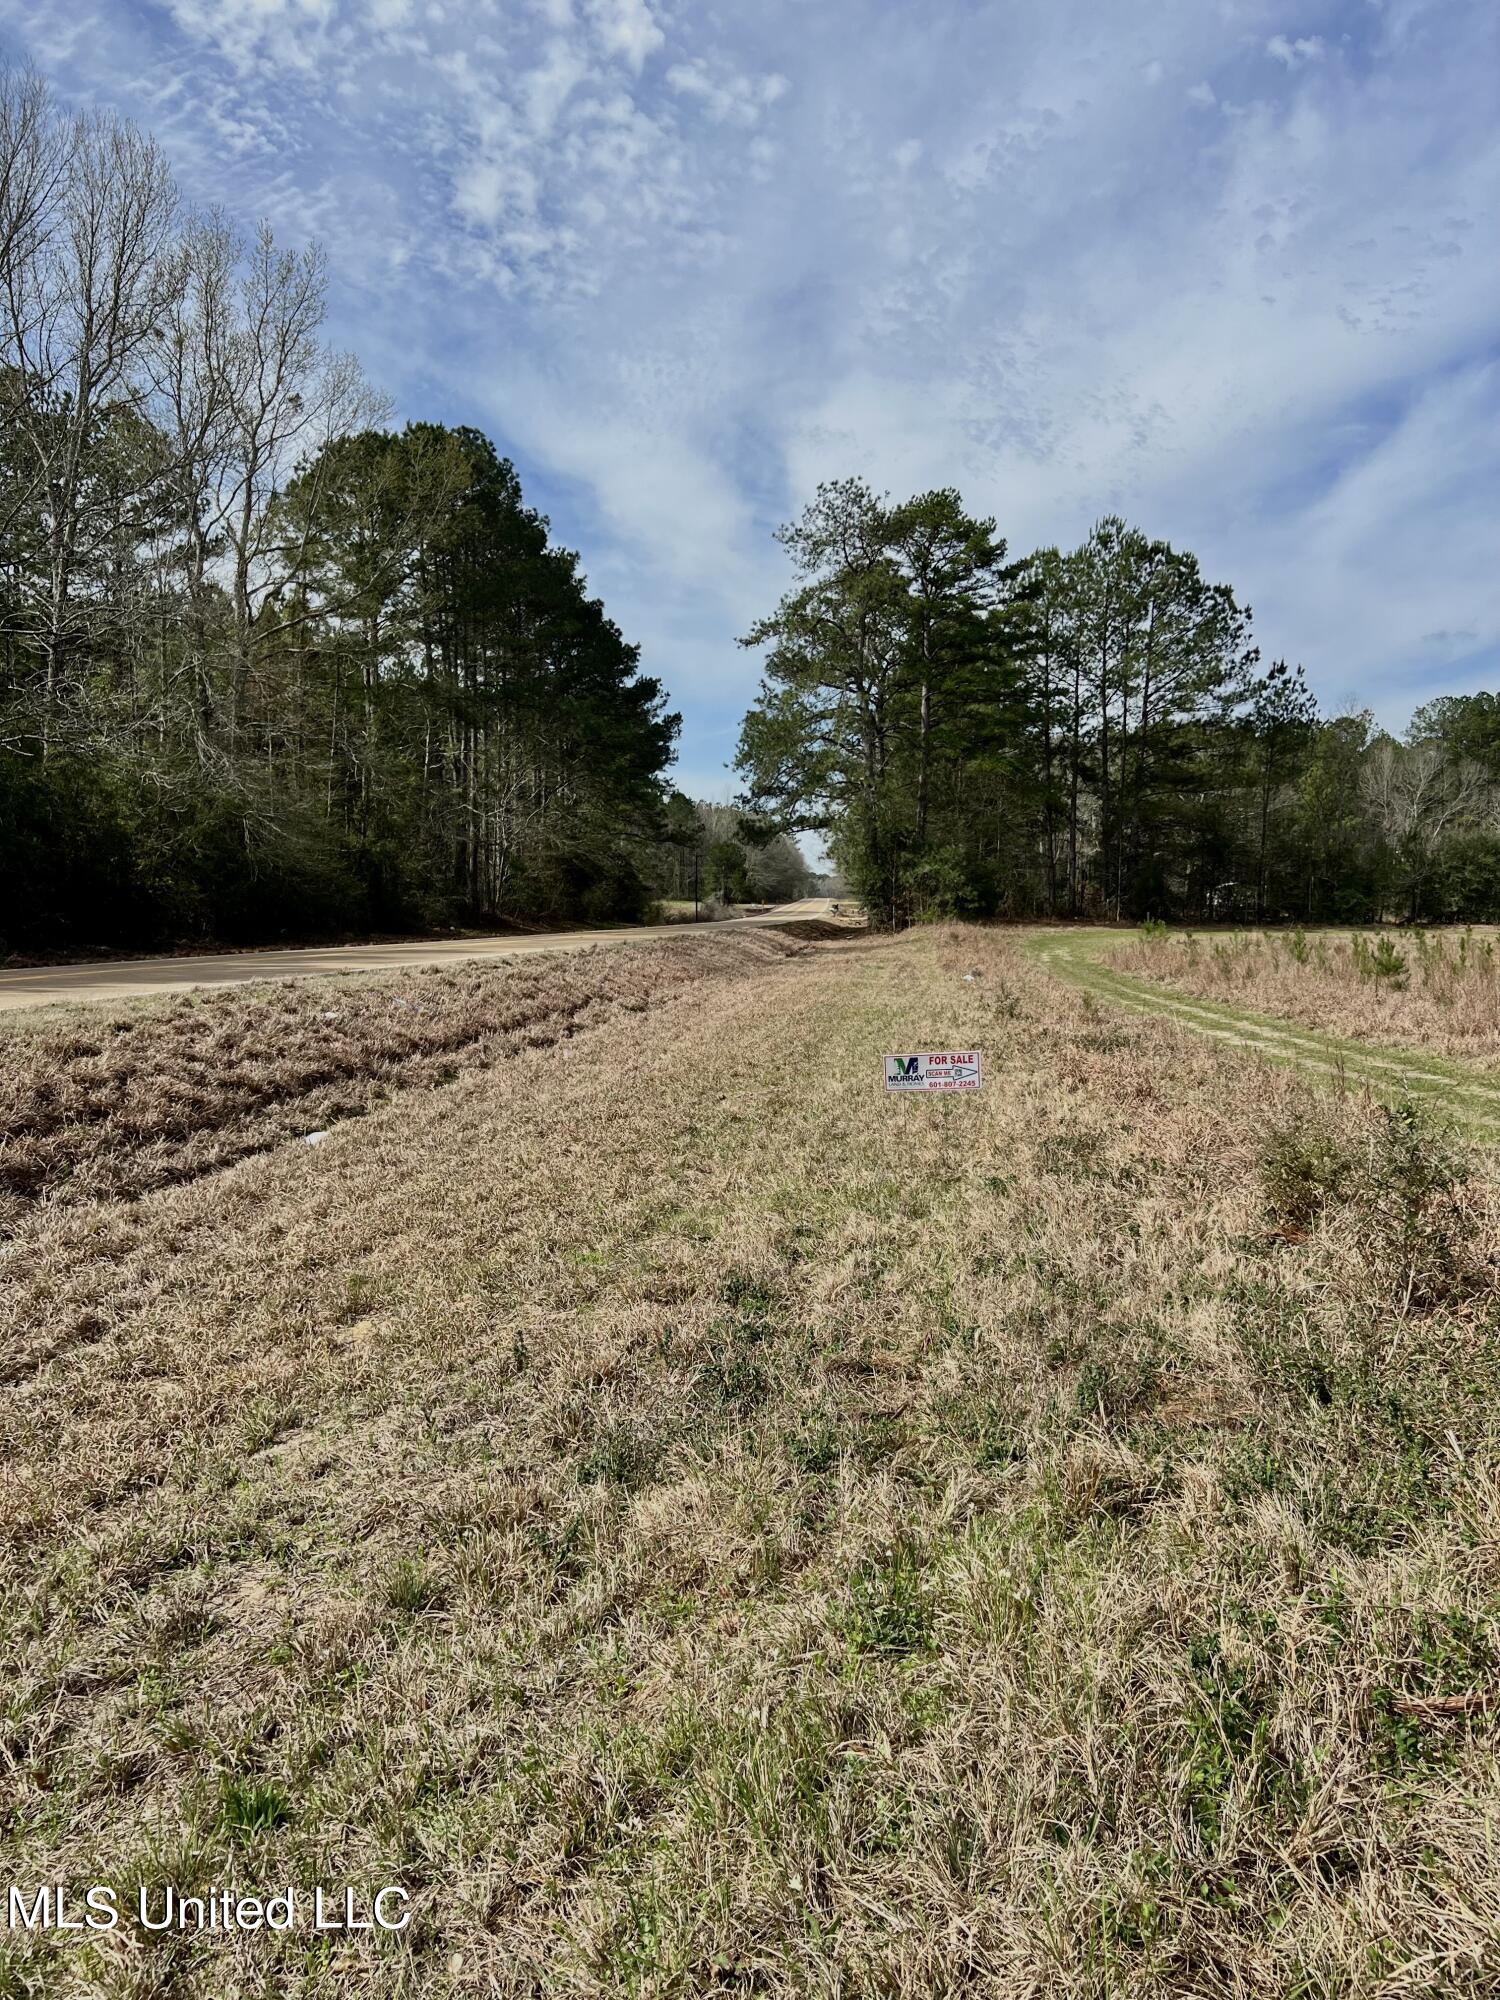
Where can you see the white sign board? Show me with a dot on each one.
(944, 1069)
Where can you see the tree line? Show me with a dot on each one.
(718, 853)
(267, 666)
(1089, 734)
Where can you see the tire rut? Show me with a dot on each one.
(1470, 1100)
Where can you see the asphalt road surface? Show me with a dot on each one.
(135, 978)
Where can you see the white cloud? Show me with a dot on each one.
(728, 96)
(627, 28)
(263, 35)
(683, 262)
(1380, 567)
(545, 89)
(491, 187)
(1304, 50)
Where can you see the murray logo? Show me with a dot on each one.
(940, 1069)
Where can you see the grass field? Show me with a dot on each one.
(1434, 990)
(1389, 1057)
(701, 1527)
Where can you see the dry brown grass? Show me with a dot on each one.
(1417, 989)
(707, 1529)
(113, 1104)
(819, 930)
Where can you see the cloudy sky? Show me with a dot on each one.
(1226, 266)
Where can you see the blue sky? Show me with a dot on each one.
(1226, 267)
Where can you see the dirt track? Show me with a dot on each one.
(135, 978)
(1077, 957)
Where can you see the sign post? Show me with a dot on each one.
(941, 1069)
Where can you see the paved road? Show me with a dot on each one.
(133, 978)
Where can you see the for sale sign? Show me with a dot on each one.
(941, 1069)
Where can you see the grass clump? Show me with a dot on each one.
(624, 1454)
(1227, 1722)
(1442, 1681)
(816, 1445)
(891, 1609)
(1118, 1388)
(413, 1587)
(250, 1806)
(732, 1380)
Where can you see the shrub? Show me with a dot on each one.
(1414, 1220)
(1400, 1184)
(1303, 1164)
